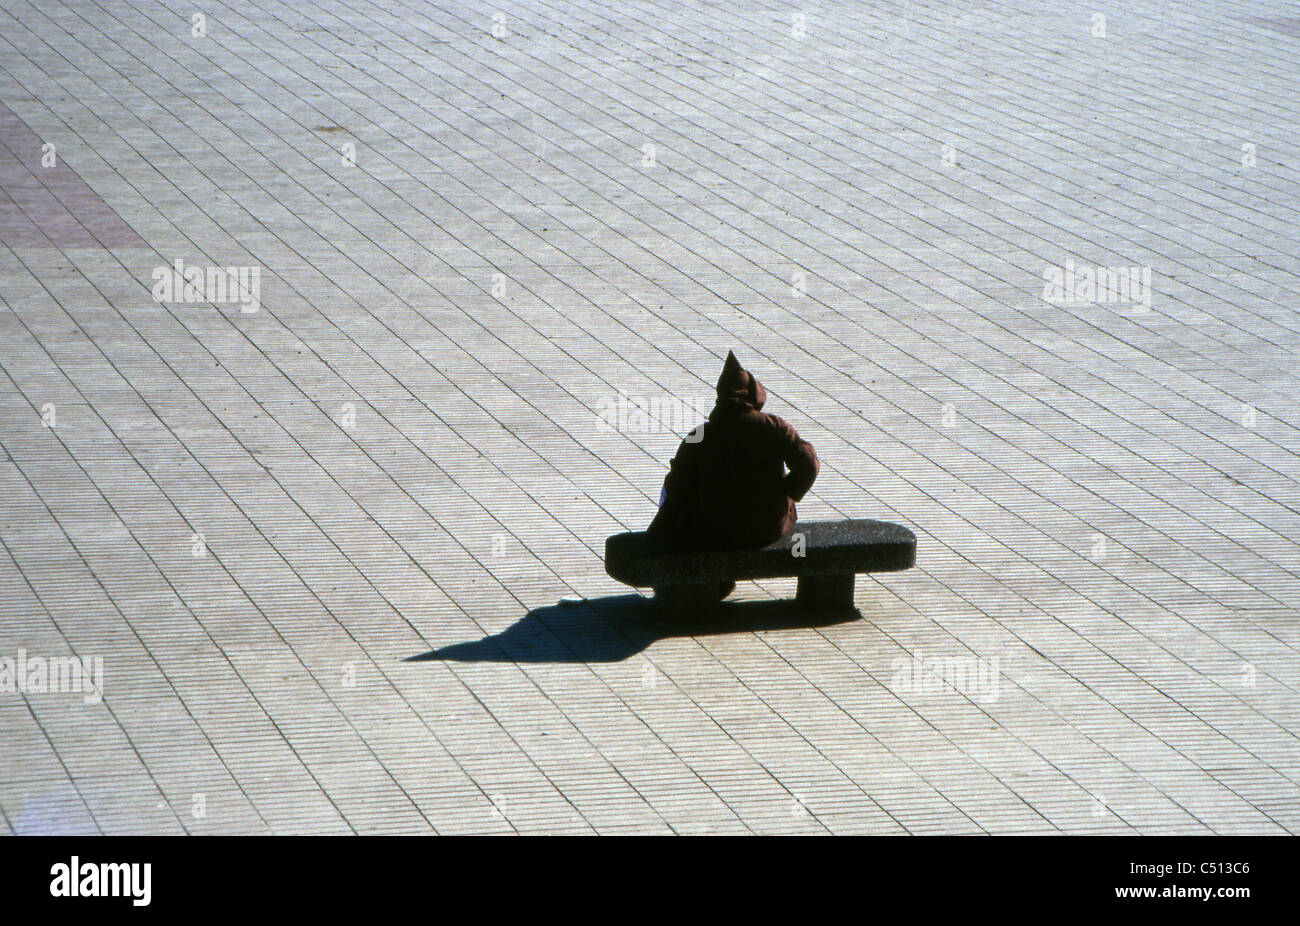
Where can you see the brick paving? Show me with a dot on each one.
(475, 228)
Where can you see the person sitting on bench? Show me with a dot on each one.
(727, 487)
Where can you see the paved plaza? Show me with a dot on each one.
(336, 337)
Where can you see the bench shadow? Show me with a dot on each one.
(618, 627)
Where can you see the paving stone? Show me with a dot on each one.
(474, 230)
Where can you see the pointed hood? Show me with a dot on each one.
(738, 386)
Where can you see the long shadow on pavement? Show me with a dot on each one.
(617, 627)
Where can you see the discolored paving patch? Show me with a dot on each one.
(50, 206)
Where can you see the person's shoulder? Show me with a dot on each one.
(774, 424)
(774, 421)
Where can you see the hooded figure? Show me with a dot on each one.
(728, 485)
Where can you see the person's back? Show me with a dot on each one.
(728, 486)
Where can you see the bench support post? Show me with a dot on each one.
(826, 593)
(686, 599)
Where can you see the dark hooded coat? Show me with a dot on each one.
(728, 485)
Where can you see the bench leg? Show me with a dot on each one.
(688, 599)
(826, 593)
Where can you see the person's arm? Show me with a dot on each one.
(800, 458)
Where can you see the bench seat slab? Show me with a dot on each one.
(812, 548)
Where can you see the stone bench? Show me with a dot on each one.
(833, 553)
